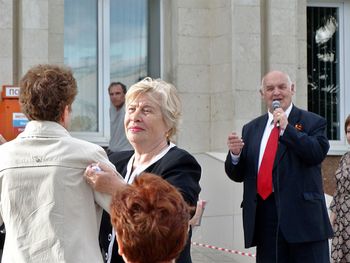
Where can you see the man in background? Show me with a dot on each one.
(118, 140)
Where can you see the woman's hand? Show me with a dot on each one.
(104, 179)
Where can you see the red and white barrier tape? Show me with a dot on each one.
(224, 249)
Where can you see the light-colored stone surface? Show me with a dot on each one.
(220, 21)
(248, 108)
(247, 19)
(220, 50)
(6, 43)
(194, 50)
(35, 14)
(6, 72)
(220, 3)
(251, 69)
(286, 22)
(6, 8)
(221, 224)
(191, 22)
(56, 49)
(247, 48)
(221, 129)
(35, 43)
(194, 78)
(198, 104)
(56, 17)
(221, 106)
(56, 32)
(283, 4)
(247, 2)
(282, 48)
(220, 78)
(194, 3)
(199, 132)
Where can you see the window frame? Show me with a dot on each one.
(339, 147)
(101, 136)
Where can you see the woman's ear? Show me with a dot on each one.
(120, 245)
(120, 251)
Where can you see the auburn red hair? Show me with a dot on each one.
(151, 219)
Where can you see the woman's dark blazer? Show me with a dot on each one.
(179, 168)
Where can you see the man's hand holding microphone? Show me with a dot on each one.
(279, 116)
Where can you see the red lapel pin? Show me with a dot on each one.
(299, 127)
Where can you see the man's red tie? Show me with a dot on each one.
(265, 170)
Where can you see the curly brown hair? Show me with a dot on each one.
(45, 91)
(151, 220)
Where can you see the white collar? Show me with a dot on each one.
(130, 175)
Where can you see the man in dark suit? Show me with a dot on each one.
(291, 223)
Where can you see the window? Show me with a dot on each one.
(327, 62)
(128, 40)
(81, 54)
(105, 41)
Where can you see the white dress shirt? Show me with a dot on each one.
(266, 135)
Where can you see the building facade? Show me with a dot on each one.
(214, 51)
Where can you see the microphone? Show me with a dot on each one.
(276, 104)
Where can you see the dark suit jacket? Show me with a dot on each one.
(179, 168)
(297, 179)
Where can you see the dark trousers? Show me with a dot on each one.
(272, 246)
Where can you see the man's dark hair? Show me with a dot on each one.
(117, 83)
